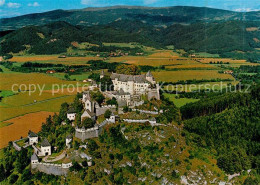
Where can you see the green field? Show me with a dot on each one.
(77, 77)
(207, 55)
(5, 94)
(179, 102)
(214, 86)
(130, 45)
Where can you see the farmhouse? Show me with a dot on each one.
(50, 71)
(228, 72)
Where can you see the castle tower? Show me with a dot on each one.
(149, 77)
(89, 104)
(34, 159)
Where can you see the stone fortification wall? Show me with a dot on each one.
(49, 168)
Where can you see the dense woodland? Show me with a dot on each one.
(228, 124)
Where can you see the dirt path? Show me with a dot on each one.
(61, 156)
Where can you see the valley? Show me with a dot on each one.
(130, 95)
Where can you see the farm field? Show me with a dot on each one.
(207, 55)
(77, 77)
(175, 76)
(54, 59)
(164, 54)
(8, 79)
(179, 102)
(130, 45)
(21, 125)
(225, 62)
(153, 61)
(202, 86)
(192, 66)
(238, 65)
(24, 101)
(48, 104)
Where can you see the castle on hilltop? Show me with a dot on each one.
(128, 89)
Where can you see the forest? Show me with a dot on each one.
(228, 124)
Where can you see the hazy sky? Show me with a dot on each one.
(10, 8)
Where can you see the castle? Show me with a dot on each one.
(128, 89)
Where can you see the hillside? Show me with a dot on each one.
(229, 126)
(205, 149)
(225, 38)
(214, 37)
(164, 16)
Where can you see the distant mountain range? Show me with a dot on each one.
(164, 16)
(201, 29)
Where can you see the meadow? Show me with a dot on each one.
(175, 76)
(77, 77)
(223, 60)
(179, 102)
(54, 59)
(201, 86)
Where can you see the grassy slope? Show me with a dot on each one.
(179, 102)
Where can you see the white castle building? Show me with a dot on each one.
(33, 138)
(44, 150)
(133, 84)
(129, 88)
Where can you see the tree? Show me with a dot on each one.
(13, 178)
(26, 175)
(63, 110)
(127, 69)
(8, 56)
(112, 101)
(88, 123)
(75, 167)
(107, 114)
(2, 174)
(22, 160)
(78, 119)
(98, 97)
(85, 163)
(92, 145)
(67, 77)
(95, 77)
(175, 175)
(125, 109)
(76, 145)
(106, 84)
(92, 176)
(77, 105)
(251, 181)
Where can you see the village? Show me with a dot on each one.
(129, 93)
